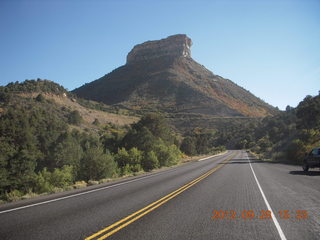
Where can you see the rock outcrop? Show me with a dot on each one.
(175, 46)
(162, 76)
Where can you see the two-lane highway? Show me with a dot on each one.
(224, 197)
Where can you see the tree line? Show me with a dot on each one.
(41, 153)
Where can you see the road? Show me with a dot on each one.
(224, 197)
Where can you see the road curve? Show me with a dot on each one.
(210, 199)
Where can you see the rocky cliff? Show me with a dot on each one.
(162, 76)
(175, 46)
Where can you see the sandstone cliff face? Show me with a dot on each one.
(175, 46)
(162, 76)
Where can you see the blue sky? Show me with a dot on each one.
(271, 48)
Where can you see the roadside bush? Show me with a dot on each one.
(296, 151)
(188, 146)
(29, 195)
(79, 184)
(42, 182)
(47, 181)
(150, 161)
(96, 164)
(135, 157)
(126, 170)
(167, 155)
(14, 195)
(62, 177)
(122, 158)
(92, 182)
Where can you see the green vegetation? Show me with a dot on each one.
(39, 85)
(43, 148)
(291, 134)
(286, 136)
(75, 118)
(40, 154)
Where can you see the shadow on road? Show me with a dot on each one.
(309, 173)
(243, 161)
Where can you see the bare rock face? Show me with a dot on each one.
(162, 76)
(175, 46)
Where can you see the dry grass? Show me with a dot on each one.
(88, 115)
(80, 184)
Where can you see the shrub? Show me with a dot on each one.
(105, 180)
(96, 122)
(122, 157)
(30, 194)
(126, 170)
(296, 151)
(80, 184)
(96, 165)
(61, 177)
(40, 98)
(167, 155)
(150, 161)
(42, 182)
(47, 181)
(14, 195)
(92, 182)
(135, 157)
(75, 118)
(188, 146)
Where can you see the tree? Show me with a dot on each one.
(122, 158)
(21, 170)
(147, 133)
(188, 146)
(96, 122)
(157, 125)
(295, 151)
(75, 118)
(46, 181)
(167, 155)
(40, 98)
(135, 157)
(308, 112)
(142, 138)
(150, 161)
(5, 97)
(96, 165)
(67, 151)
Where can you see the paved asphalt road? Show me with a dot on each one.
(209, 199)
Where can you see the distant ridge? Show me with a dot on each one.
(161, 76)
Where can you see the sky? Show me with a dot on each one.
(269, 47)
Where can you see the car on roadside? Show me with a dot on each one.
(311, 160)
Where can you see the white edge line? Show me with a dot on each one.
(219, 154)
(79, 194)
(275, 221)
(90, 191)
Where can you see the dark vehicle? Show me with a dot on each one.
(312, 160)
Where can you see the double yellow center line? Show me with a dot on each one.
(113, 228)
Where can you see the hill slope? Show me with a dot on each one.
(57, 101)
(162, 76)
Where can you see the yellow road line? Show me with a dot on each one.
(153, 205)
(141, 210)
(147, 211)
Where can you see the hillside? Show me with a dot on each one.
(162, 76)
(62, 103)
(51, 141)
